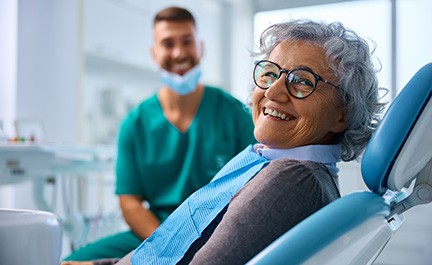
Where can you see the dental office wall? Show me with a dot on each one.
(49, 65)
(8, 50)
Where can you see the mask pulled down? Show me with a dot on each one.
(182, 84)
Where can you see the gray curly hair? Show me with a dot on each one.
(349, 58)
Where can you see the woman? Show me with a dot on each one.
(315, 103)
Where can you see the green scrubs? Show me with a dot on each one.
(164, 166)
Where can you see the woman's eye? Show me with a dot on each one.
(301, 81)
(272, 75)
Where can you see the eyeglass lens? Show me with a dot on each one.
(300, 83)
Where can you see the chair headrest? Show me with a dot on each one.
(401, 146)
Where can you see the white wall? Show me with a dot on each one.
(414, 42)
(8, 62)
(8, 37)
(48, 66)
(241, 46)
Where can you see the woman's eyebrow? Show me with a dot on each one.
(304, 67)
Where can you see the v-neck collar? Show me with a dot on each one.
(193, 121)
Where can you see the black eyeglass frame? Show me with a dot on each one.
(288, 72)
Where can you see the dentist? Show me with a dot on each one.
(174, 142)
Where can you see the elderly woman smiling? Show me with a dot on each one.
(315, 103)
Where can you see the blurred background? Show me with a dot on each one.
(71, 70)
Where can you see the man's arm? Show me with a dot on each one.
(141, 220)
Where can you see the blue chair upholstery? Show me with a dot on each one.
(355, 228)
(395, 128)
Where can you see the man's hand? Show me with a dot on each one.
(141, 220)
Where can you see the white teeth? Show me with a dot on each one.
(274, 113)
(181, 66)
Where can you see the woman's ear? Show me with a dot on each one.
(340, 122)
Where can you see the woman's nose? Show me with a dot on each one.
(277, 91)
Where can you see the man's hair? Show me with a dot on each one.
(174, 14)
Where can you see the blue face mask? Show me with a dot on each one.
(182, 84)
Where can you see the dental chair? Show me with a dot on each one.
(397, 169)
(29, 237)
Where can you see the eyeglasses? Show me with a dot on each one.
(300, 82)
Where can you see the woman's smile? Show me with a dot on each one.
(277, 114)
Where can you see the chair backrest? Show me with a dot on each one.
(29, 237)
(355, 228)
(402, 144)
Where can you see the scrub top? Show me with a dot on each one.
(163, 165)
